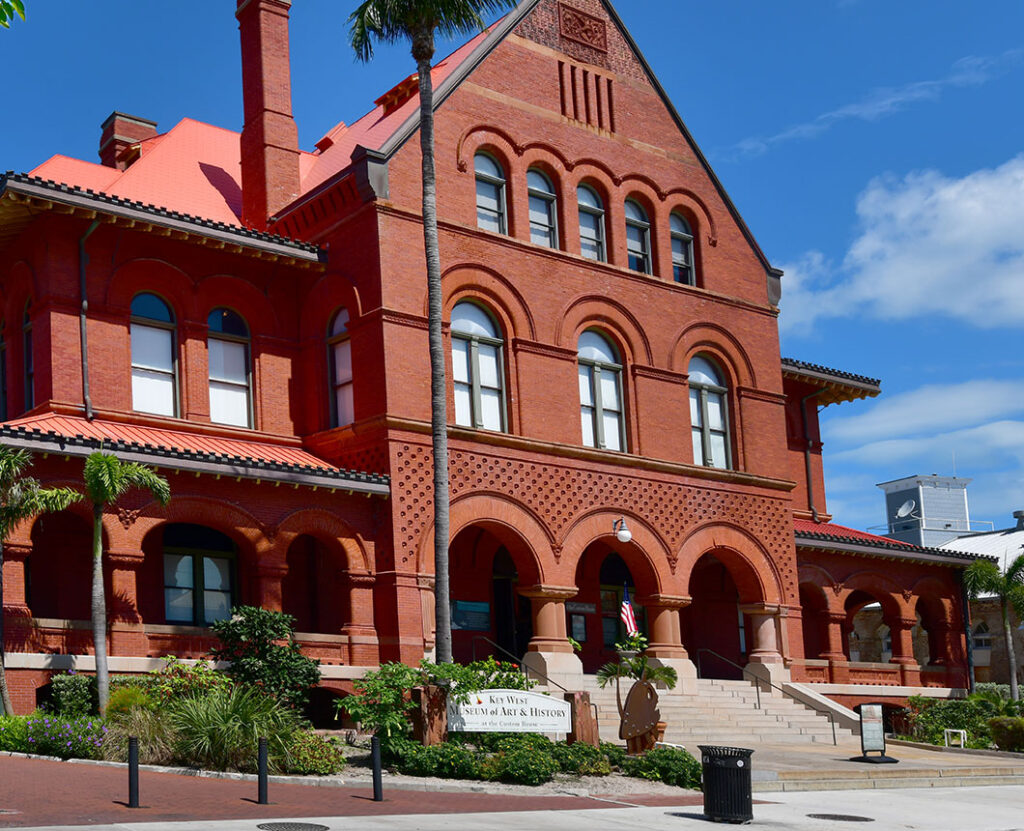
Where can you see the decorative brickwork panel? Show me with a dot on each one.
(582, 28)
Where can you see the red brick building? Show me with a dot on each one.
(251, 319)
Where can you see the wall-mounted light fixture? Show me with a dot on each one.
(622, 532)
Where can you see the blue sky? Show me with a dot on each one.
(876, 150)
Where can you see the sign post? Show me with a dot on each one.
(872, 736)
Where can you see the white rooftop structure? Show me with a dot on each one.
(1008, 542)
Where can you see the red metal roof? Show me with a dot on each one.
(175, 440)
(830, 529)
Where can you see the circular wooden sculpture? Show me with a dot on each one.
(640, 718)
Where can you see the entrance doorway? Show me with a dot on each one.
(716, 632)
(593, 615)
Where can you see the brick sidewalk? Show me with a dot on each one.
(38, 793)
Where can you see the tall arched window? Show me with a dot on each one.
(340, 349)
(230, 379)
(601, 411)
(543, 210)
(682, 251)
(28, 359)
(3, 374)
(490, 194)
(153, 365)
(477, 369)
(591, 211)
(709, 417)
(638, 237)
(199, 574)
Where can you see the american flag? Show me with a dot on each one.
(626, 613)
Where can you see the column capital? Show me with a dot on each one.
(359, 578)
(834, 617)
(17, 551)
(668, 601)
(550, 592)
(760, 608)
(127, 558)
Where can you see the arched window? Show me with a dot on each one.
(682, 251)
(199, 578)
(154, 388)
(982, 636)
(340, 349)
(230, 380)
(490, 194)
(591, 224)
(28, 359)
(885, 637)
(477, 369)
(638, 237)
(601, 411)
(709, 418)
(543, 210)
(3, 375)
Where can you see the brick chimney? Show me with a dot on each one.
(121, 131)
(270, 140)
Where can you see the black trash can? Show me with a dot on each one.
(728, 795)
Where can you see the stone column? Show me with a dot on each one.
(269, 576)
(666, 645)
(126, 631)
(359, 628)
(15, 601)
(902, 641)
(549, 651)
(765, 659)
(835, 622)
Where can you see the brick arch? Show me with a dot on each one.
(885, 591)
(594, 311)
(718, 342)
(691, 206)
(22, 532)
(519, 529)
(595, 170)
(821, 579)
(932, 590)
(172, 284)
(228, 291)
(329, 529)
(756, 577)
(646, 554)
(486, 137)
(495, 291)
(242, 527)
(331, 292)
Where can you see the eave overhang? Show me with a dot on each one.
(199, 463)
(835, 385)
(887, 551)
(23, 197)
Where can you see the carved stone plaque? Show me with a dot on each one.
(582, 28)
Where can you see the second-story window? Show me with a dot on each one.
(591, 224)
(230, 379)
(28, 359)
(682, 251)
(600, 377)
(3, 375)
(543, 210)
(709, 417)
(153, 376)
(477, 369)
(340, 350)
(638, 237)
(490, 194)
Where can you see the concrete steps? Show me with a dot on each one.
(881, 777)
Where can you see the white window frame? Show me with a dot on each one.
(246, 343)
(334, 342)
(683, 267)
(704, 391)
(499, 185)
(549, 199)
(599, 212)
(595, 371)
(473, 343)
(644, 227)
(198, 587)
(153, 323)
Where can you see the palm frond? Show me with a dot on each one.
(103, 480)
(145, 478)
(1015, 571)
(983, 577)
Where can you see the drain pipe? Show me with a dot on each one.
(83, 261)
(807, 452)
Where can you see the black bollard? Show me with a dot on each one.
(378, 784)
(262, 800)
(133, 772)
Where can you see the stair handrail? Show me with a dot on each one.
(523, 668)
(757, 686)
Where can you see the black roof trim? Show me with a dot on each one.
(827, 373)
(883, 548)
(72, 195)
(195, 460)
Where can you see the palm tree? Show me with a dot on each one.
(983, 577)
(418, 21)
(9, 9)
(637, 668)
(20, 498)
(106, 480)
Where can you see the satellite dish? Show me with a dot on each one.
(905, 509)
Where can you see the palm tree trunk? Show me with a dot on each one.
(99, 609)
(1011, 655)
(5, 696)
(423, 51)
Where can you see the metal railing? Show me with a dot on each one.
(757, 686)
(523, 668)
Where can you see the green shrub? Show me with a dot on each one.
(157, 737)
(532, 742)
(524, 766)
(987, 687)
(74, 695)
(67, 738)
(128, 698)
(1008, 733)
(13, 734)
(665, 764)
(381, 701)
(175, 680)
(447, 760)
(220, 731)
(314, 755)
(396, 751)
(615, 754)
(929, 717)
(580, 758)
(261, 648)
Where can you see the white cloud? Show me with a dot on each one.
(987, 446)
(929, 245)
(929, 409)
(885, 101)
